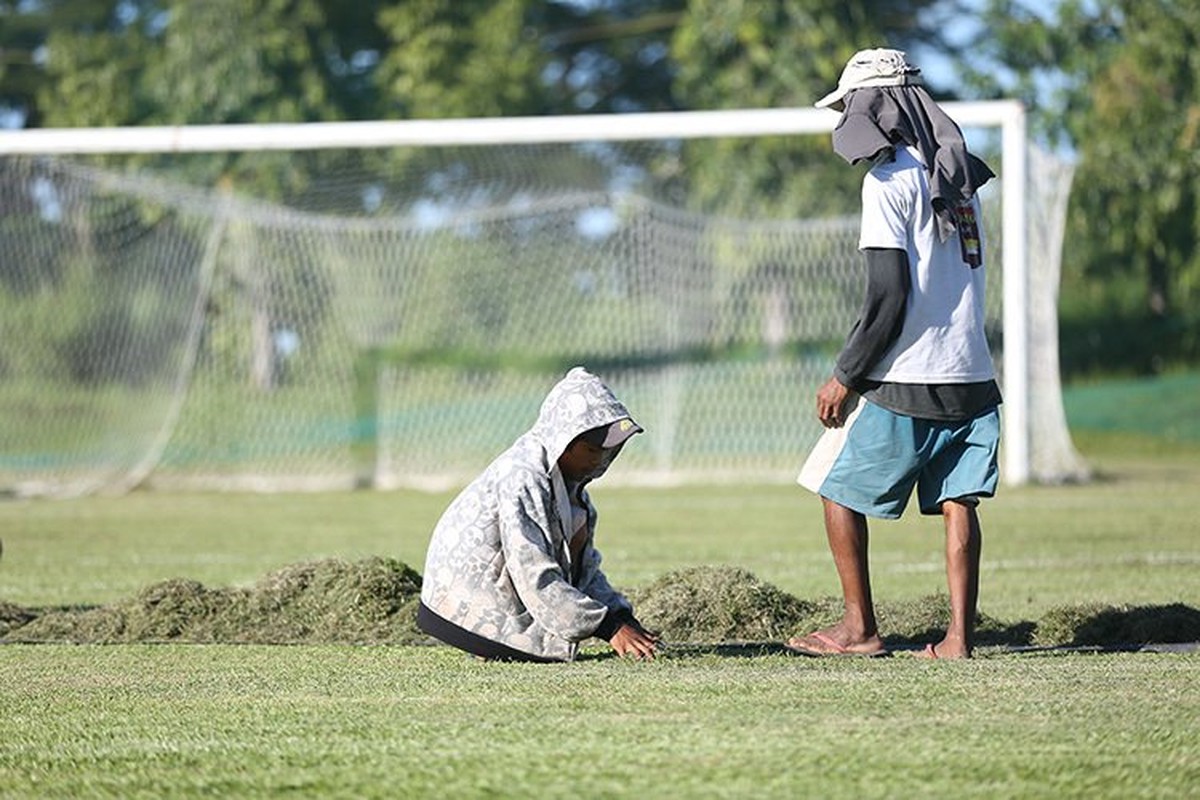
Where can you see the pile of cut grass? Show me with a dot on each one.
(374, 601)
(370, 601)
(13, 617)
(720, 604)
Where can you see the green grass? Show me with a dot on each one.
(383, 721)
(159, 721)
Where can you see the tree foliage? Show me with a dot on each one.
(1118, 82)
(130, 62)
(745, 54)
(134, 62)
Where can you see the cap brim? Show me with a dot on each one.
(833, 99)
(620, 431)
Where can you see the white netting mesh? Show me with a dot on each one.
(402, 329)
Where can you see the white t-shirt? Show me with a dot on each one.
(942, 339)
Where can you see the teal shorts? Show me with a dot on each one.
(872, 463)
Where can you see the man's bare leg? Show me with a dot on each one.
(964, 541)
(847, 533)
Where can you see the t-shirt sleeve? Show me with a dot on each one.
(886, 211)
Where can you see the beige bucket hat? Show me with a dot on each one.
(876, 67)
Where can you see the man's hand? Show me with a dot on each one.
(632, 639)
(832, 399)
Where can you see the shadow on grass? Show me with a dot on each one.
(700, 611)
(727, 650)
(1100, 625)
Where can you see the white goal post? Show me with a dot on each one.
(1025, 370)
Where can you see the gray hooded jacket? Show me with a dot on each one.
(498, 561)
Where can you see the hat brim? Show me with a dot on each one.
(619, 432)
(836, 98)
(833, 100)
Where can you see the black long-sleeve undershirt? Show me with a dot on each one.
(881, 318)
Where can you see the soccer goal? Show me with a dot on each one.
(385, 304)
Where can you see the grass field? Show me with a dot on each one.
(176, 720)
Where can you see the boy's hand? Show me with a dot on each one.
(633, 640)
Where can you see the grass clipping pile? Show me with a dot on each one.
(371, 601)
(374, 601)
(721, 604)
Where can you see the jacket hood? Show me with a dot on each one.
(577, 403)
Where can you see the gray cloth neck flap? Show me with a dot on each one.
(878, 118)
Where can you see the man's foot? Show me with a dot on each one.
(835, 642)
(943, 651)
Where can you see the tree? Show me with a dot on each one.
(743, 54)
(177, 62)
(518, 57)
(24, 32)
(450, 59)
(135, 62)
(1118, 81)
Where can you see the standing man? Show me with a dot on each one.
(913, 400)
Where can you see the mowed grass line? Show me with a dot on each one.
(191, 721)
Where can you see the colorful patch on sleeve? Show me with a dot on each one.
(968, 235)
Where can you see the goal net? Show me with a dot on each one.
(386, 304)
